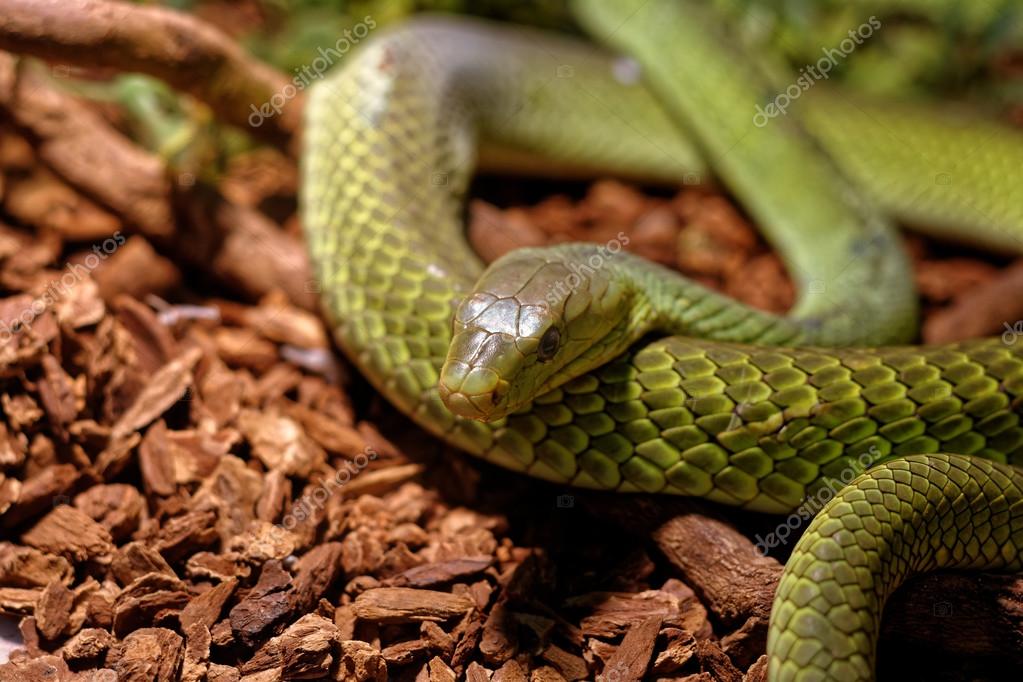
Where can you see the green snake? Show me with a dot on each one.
(543, 363)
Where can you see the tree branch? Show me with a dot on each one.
(186, 52)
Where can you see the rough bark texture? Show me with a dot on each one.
(160, 42)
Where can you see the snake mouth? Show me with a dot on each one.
(465, 398)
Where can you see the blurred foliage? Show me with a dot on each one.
(180, 130)
(949, 48)
(302, 26)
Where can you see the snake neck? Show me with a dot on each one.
(678, 305)
(633, 297)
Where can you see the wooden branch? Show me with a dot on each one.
(186, 52)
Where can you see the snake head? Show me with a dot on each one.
(536, 319)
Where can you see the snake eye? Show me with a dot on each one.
(548, 344)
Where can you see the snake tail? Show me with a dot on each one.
(904, 517)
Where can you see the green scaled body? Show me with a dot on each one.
(390, 144)
(762, 427)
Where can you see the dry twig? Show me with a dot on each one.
(186, 52)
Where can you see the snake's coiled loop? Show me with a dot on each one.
(389, 146)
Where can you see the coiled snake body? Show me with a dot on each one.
(537, 364)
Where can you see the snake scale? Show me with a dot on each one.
(542, 363)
